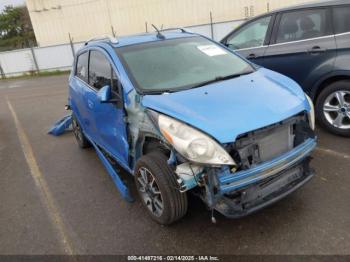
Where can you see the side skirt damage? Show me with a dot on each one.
(63, 124)
(123, 189)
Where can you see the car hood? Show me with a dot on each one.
(229, 108)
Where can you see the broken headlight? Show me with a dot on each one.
(311, 113)
(193, 144)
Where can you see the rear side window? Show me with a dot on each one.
(300, 25)
(100, 70)
(82, 66)
(341, 19)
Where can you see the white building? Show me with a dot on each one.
(54, 20)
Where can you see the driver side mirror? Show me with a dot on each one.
(104, 94)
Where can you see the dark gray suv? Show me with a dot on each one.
(311, 44)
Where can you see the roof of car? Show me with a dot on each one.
(313, 4)
(143, 38)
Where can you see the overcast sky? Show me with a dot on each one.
(4, 3)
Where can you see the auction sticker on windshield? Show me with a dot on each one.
(211, 50)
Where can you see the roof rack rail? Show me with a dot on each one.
(111, 39)
(183, 30)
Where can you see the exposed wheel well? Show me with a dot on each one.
(327, 82)
(151, 144)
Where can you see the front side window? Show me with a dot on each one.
(251, 35)
(100, 70)
(82, 66)
(341, 17)
(300, 25)
(179, 64)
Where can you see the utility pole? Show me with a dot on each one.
(71, 44)
(211, 26)
(2, 73)
(34, 59)
(109, 14)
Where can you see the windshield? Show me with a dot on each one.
(179, 64)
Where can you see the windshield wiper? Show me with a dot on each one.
(220, 78)
(158, 92)
(216, 79)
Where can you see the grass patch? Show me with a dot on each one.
(37, 74)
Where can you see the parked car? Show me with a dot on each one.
(184, 114)
(311, 44)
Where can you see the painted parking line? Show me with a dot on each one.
(14, 86)
(41, 184)
(332, 152)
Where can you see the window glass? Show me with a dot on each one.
(251, 35)
(100, 70)
(116, 88)
(82, 66)
(115, 83)
(342, 19)
(179, 64)
(302, 25)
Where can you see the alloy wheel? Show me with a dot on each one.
(149, 191)
(336, 109)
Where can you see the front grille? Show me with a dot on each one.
(267, 143)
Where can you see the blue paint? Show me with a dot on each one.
(227, 109)
(124, 191)
(61, 126)
(254, 174)
(104, 94)
(102, 122)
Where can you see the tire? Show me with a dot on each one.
(163, 190)
(79, 135)
(333, 108)
(155, 146)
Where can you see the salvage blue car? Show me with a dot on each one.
(184, 114)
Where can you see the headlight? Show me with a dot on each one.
(193, 144)
(311, 113)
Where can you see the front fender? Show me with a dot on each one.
(334, 75)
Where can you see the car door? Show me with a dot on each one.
(302, 45)
(79, 85)
(250, 39)
(107, 119)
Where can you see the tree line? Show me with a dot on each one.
(16, 30)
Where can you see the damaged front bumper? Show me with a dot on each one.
(243, 192)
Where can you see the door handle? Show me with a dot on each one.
(316, 49)
(251, 56)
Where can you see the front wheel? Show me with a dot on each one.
(78, 133)
(158, 190)
(333, 108)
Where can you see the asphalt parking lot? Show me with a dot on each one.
(56, 198)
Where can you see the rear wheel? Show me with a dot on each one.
(333, 108)
(157, 188)
(79, 135)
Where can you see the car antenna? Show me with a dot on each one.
(159, 34)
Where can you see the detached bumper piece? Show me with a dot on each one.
(241, 193)
(61, 126)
